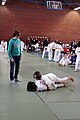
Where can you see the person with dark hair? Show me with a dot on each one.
(73, 58)
(14, 53)
(49, 81)
(45, 43)
(77, 63)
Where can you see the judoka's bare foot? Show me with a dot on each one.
(71, 79)
(59, 64)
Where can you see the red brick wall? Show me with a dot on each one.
(36, 20)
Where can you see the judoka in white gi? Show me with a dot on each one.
(49, 81)
(3, 47)
(77, 64)
(65, 60)
(22, 46)
(49, 49)
(57, 54)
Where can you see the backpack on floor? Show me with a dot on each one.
(31, 86)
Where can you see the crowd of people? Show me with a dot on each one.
(58, 51)
(62, 53)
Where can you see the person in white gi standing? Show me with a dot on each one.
(57, 53)
(50, 49)
(77, 64)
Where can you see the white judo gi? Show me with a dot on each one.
(22, 46)
(77, 64)
(57, 54)
(49, 79)
(65, 60)
(44, 52)
(3, 47)
(50, 48)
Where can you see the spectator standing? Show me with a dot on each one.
(14, 53)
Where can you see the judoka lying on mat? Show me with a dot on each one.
(49, 81)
